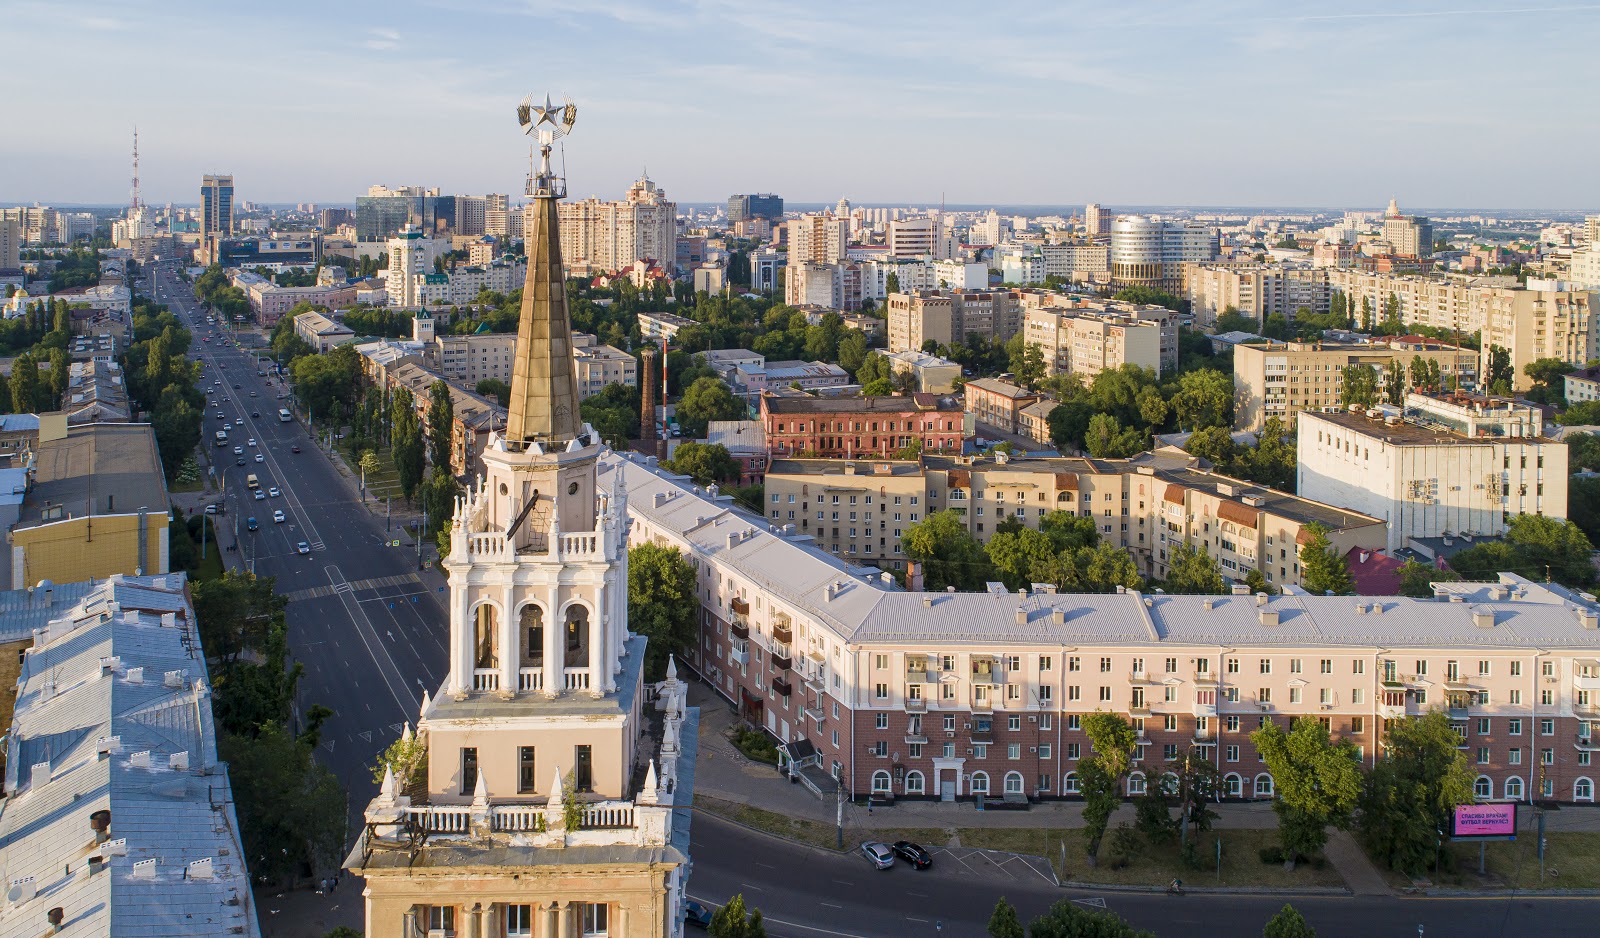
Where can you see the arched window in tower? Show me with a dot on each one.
(577, 636)
(486, 638)
(532, 636)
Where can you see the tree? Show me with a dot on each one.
(1232, 320)
(441, 425)
(1003, 922)
(1394, 382)
(1106, 438)
(1547, 374)
(408, 451)
(25, 385)
(705, 463)
(236, 612)
(1112, 740)
(1288, 923)
(1214, 444)
(1499, 373)
(1536, 547)
(1359, 386)
(438, 499)
(1204, 399)
(407, 758)
(1318, 782)
(948, 554)
(1409, 794)
(1066, 919)
(661, 603)
(877, 387)
(495, 388)
(1193, 570)
(291, 810)
(706, 400)
(1322, 570)
(1417, 579)
(732, 921)
(852, 351)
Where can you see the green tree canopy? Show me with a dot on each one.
(1065, 919)
(1417, 579)
(1003, 922)
(1418, 780)
(705, 463)
(707, 399)
(1193, 570)
(1204, 399)
(1359, 386)
(1317, 780)
(1288, 923)
(1322, 569)
(661, 604)
(441, 425)
(949, 555)
(733, 921)
(1536, 547)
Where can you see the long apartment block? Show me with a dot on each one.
(950, 695)
(1281, 379)
(1148, 505)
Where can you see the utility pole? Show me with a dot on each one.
(386, 499)
(421, 533)
(838, 780)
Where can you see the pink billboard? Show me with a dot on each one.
(1484, 820)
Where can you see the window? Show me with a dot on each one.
(1483, 755)
(1514, 727)
(469, 769)
(1233, 723)
(1105, 693)
(1014, 723)
(1044, 750)
(1294, 695)
(913, 783)
(1074, 751)
(519, 918)
(1045, 721)
(1233, 786)
(1013, 783)
(1583, 790)
(1044, 662)
(1483, 787)
(1513, 790)
(1169, 752)
(980, 750)
(1013, 750)
(595, 919)
(1233, 665)
(441, 918)
(1069, 785)
(527, 779)
(1294, 665)
(882, 721)
(1169, 723)
(1073, 663)
(1074, 721)
(881, 781)
(1357, 695)
(1263, 786)
(1513, 757)
(880, 690)
(1516, 669)
(1483, 669)
(949, 724)
(1074, 692)
(1105, 665)
(1266, 665)
(1547, 757)
(980, 783)
(1232, 753)
(1326, 666)
(1357, 724)
(1136, 783)
(1547, 727)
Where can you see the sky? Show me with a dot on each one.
(1456, 103)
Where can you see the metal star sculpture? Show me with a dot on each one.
(534, 117)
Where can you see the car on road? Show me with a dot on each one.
(240, 461)
(697, 914)
(252, 394)
(256, 414)
(302, 548)
(237, 450)
(250, 442)
(261, 457)
(260, 495)
(277, 516)
(294, 449)
(236, 387)
(215, 508)
(912, 853)
(251, 524)
(881, 855)
(273, 492)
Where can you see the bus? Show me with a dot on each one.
(222, 438)
(284, 415)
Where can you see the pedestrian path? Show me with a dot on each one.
(1361, 877)
(319, 592)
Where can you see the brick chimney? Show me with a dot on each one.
(649, 442)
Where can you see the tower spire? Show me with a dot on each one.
(134, 206)
(544, 385)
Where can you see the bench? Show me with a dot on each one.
(1012, 801)
(881, 799)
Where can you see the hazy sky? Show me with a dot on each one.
(1484, 103)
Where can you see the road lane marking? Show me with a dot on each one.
(358, 618)
(756, 888)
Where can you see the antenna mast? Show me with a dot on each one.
(134, 207)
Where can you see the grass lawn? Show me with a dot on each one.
(194, 485)
(211, 567)
(1572, 861)
(1151, 866)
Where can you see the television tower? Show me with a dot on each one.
(133, 208)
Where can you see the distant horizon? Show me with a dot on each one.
(1026, 209)
(1245, 104)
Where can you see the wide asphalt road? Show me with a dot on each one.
(370, 633)
(806, 893)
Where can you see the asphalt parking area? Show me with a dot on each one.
(993, 865)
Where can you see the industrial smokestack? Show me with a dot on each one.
(649, 440)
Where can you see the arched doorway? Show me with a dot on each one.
(577, 636)
(531, 623)
(486, 637)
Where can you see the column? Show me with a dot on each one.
(460, 642)
(552, 920)
(510, 641)
(599, 645)
(554, 640)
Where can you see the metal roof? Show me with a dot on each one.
(94, 733)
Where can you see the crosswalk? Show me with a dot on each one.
(382, 582)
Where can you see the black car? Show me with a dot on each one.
(255, 413)
(912, 854)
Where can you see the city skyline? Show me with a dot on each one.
(1232, 104)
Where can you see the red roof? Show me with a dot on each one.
(1374, 573)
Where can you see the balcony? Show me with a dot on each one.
(1138, 677)
(739, 628)
(782, 633)
(816, 682)
(917, 673)
(1205, 679)
(815, 712)
(530, 679)
(916, 704)
(1140, 706)
(739, 656)
(485, 679)
(1204, 709)
(1459, 705)
(982, 704)
(1392, 709)
(782, 661)
(782, 686)
(1206, 736)
(740, 607)
(1586, 677)
(575, 678)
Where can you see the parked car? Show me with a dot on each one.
(215, 508)
(695, 913)
(913, 854)
(881, 855)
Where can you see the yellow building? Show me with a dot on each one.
(96, 504)
(1281, 379)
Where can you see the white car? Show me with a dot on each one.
(273, 492)
(250, 442)
(237, 450)
(260, 457)
(881, 855)
(302, 548)
(260, 495)
(277, 516)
